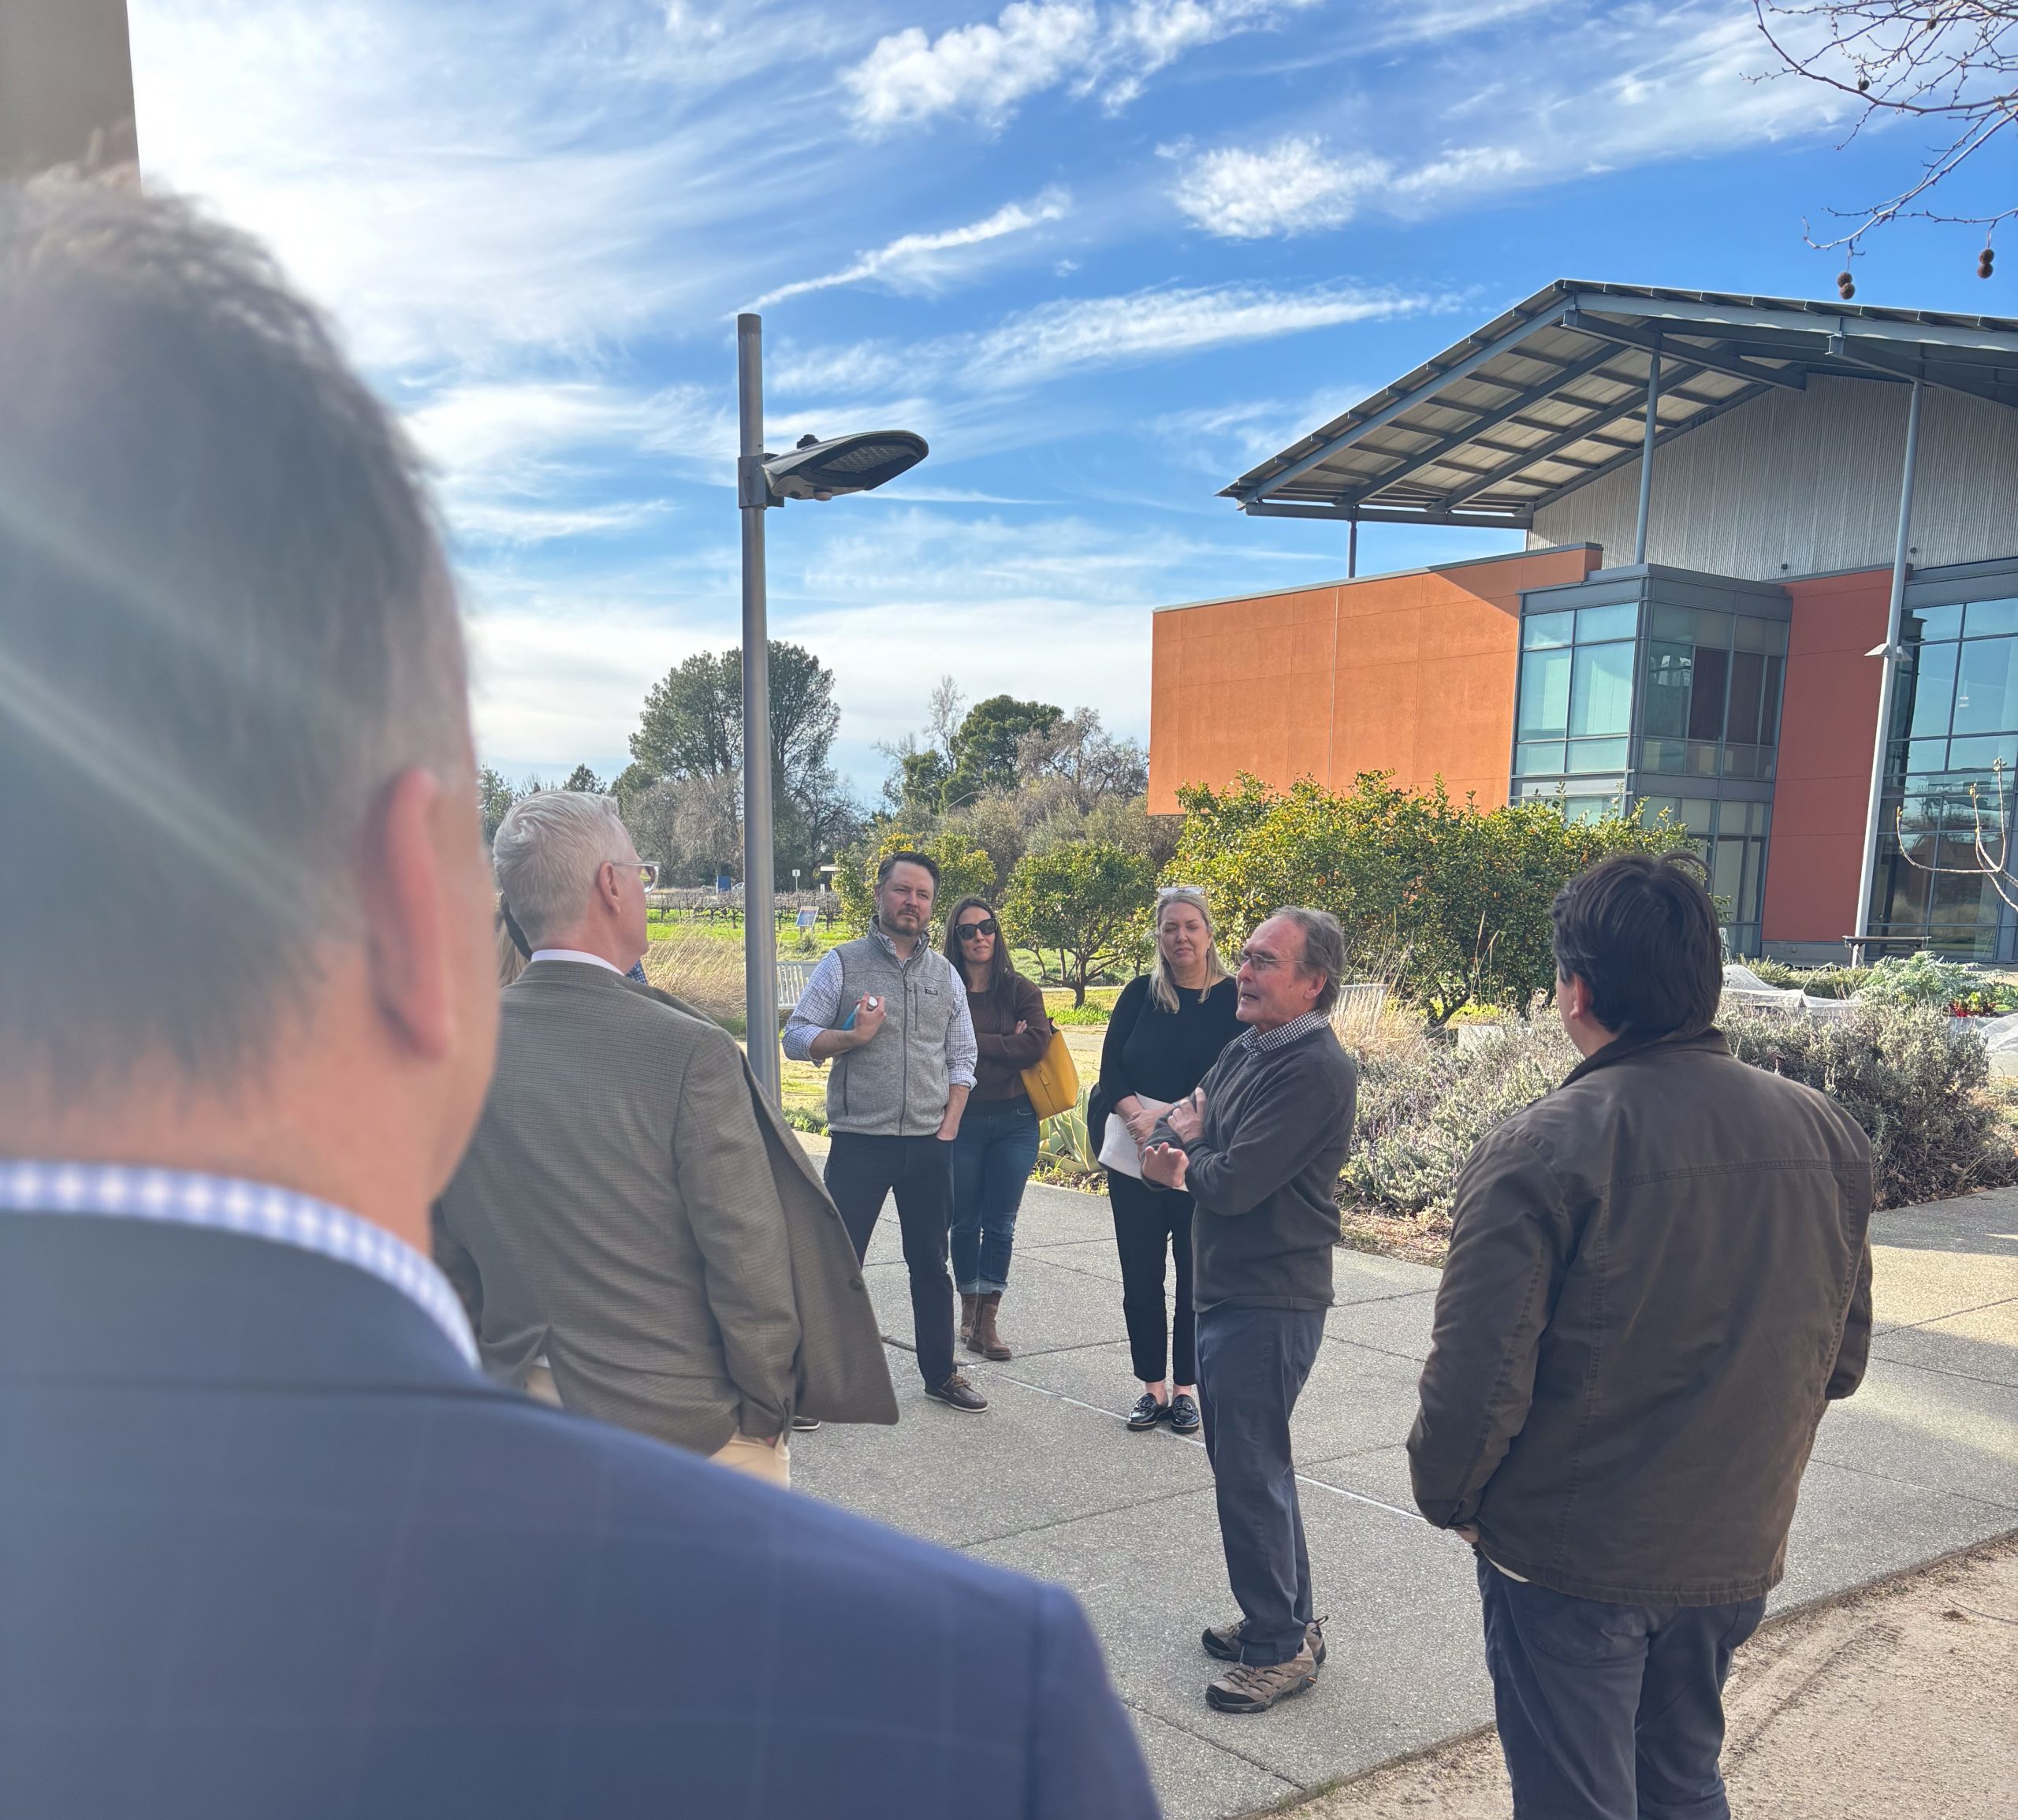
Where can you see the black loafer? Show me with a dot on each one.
(1147, 1413)
(1184, 1416)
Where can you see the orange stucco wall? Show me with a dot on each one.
(1826, 730)
(1411, 673)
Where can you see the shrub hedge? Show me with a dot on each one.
(1917, 1085)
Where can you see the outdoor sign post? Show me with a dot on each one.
(813, 470)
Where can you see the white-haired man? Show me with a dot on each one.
(629, 1210)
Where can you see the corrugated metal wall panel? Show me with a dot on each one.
(1807, 482)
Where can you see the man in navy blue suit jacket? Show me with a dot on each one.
(269, 1545)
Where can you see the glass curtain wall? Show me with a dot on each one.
(1663, 701)
(1952, 764)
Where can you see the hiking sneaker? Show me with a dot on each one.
(1184, 1416)
(1147, 1413)
(956, 1393)
(1222, 1641)
(1248, 1687)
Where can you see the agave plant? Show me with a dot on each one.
(1065, 1148)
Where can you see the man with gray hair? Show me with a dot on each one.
(272, 1544)
(633, 1230)
(1258, 1147)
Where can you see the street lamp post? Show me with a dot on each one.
(813, 470)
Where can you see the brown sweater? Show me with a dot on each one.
(1004, 1055)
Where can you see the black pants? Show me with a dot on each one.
(1610, 1712)
(861, 1171)
(1252, 1365)
(1149, 1224)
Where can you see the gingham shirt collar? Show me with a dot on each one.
(223, 1203)
(1266, 1042)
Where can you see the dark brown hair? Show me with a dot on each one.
(1001, 972)
(1641, 933)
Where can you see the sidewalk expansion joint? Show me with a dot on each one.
(1268, 1769)
(1191, 1441)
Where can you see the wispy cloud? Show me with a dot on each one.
(1290, 187)
(921, 260)
(1627, 85)
(988, 70)
(1070, 335)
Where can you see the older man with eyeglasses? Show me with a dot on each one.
(1259, 1146)
(634, 1233)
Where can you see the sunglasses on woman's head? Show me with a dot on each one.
(973, 932)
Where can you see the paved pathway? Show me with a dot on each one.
(1924, 1460)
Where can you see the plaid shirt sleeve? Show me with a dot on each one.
(817, 1009)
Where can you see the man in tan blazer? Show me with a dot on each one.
(631, 1208)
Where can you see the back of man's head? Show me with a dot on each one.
(1640, 932)
(227, 626)
(548, 850)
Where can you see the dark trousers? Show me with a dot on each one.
(860, 1172)
(1610, 1712)
(992, 1158)
(1149, 1226)
(1252, 1365)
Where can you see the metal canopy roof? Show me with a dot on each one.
(1549, 396)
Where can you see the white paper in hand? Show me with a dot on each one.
(1120, 1152)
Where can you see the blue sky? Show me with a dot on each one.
(1104, 253)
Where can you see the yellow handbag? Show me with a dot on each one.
(1052, 1080)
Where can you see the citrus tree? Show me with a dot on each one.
(1084, 901)
(1447, 901)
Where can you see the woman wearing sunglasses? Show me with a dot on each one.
(1168, 1030)
(997, 1148)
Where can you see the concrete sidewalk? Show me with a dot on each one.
(1924, 1461)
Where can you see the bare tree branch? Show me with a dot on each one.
(1950, 62)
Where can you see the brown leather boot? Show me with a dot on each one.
(967, 1319)
(986, 1341)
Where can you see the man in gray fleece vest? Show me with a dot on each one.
(1260, 1146)
(891, 1014)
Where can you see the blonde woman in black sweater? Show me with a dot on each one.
(1168, 1030)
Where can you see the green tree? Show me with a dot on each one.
(984, 751)
(494, 798)
(1447, 901)
(692, 727)
(964, 870)
(1087, 902)
(583, 778)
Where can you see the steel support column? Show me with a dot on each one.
(1888, 676)
(1646, 451)
(760, 931)
(1352, 549)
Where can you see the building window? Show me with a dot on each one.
(1952, 766)
(1575, 714)
(1730, 840)
(1713, 686)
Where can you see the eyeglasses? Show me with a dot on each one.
(973, 932)
(648, 873)
(1260, 963)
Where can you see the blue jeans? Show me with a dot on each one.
(1610, 1712)
(993, 1158)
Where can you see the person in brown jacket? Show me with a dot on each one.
(1659, 1275)
(997, 1145)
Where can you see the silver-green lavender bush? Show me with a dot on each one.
(1907, 1075)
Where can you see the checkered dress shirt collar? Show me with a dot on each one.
(1266, 1042)
(222, 1203)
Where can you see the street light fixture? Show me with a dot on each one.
(815, 470)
